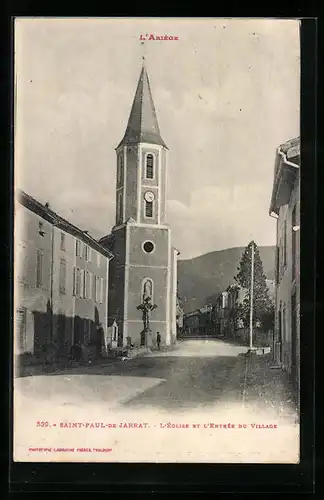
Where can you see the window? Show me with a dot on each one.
(293, 243)
(62, 241)
(82, 278)
(97, 289)
(86, 253)
(86, 284)
(281, 260)
(148, 246)
(41, 228)
(149, 209)
(284, 250)
(74, 281)
(62, 276)
(149, 170)
(21, 330)
(284, 322)
(39, 268)
(77, 248)
(119, 207)
(277, 264)
(98, 259)
(120, 169)
(77, 291)
(90, 296)
(90, 286)
(101, 290)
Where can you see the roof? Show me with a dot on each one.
(291, 148)
(287, 164)
(142, 123)
(53, 218)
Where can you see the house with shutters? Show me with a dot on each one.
(61, 281)
(285, 207)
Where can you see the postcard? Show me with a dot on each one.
(157, 222)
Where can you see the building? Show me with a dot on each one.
(285, 207)
(61, 282)
(179, 316)
(198, 322)
(271, 284)
(145, 263)
(224, 311)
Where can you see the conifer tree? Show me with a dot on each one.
(262, 303)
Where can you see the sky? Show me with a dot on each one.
(226, 94)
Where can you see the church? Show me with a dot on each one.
(144, 267)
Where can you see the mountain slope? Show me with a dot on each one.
(204, 277)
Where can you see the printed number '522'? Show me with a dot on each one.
(42, 424)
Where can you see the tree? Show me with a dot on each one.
(179, 311)
(268, 317)
(233, 312)
(262, 303)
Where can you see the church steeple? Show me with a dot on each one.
(144, 262)
(142, 123)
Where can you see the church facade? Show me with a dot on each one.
(144, 267)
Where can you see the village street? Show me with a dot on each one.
(204, 382)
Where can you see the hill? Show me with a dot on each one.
(203, 278)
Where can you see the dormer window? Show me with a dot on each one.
(149, 166)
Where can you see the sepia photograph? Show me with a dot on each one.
(156, 240)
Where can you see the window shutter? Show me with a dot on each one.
(77, 282)
(90, 286)
(39, 268)
(62, 241)
(81, 283)
(74, 281)
(101, 290)
(62, 277)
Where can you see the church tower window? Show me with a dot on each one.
(148, 247)
(149, 209)
(119, 207)
(120, 170)
(149, 170)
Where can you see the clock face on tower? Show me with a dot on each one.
(149, 196)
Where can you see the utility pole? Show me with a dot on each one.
(251, 296)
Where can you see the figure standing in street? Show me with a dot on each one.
(158, 340)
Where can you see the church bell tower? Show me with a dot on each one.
(144, 260)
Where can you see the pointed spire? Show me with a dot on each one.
(142, 123)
